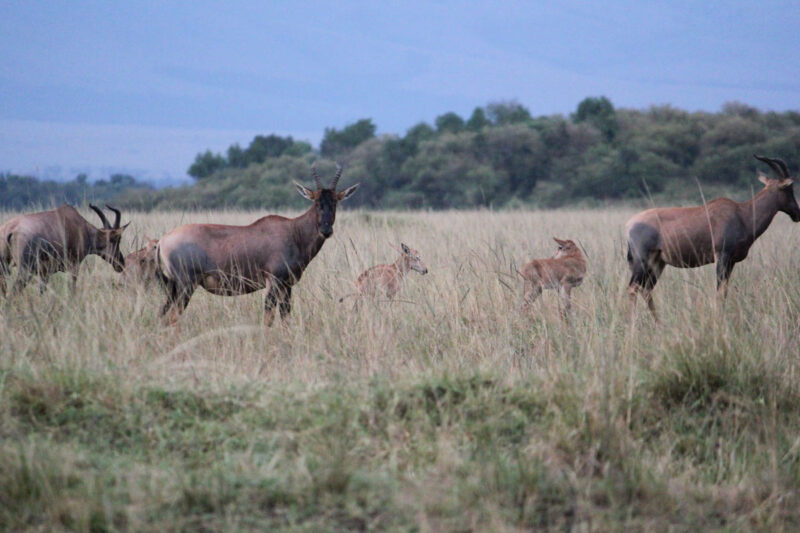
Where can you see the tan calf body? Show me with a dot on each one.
(140, 266)
(564, 271)
(387, 280)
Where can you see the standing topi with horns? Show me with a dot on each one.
(270, 253)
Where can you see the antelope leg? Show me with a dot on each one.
(532, 292)
(565, 297)
(724, 269)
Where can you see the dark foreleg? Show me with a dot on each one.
(285, 305)
(644, 276)
(724, 269)
(44, 278)
(73, 277)
(278, 295)
(270, 301)
(177, 299)
(21, 280)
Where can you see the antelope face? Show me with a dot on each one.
(413, 259)
(565, 248)
(108, 248)
(326, 211)
(108, 238)
(325, 200)
(788, 203)
(782, 186)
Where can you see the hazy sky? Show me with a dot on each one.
(143, 86)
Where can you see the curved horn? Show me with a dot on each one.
(784, 167)
(777, 165)
(117, 216)
(316, 176)
(102, 216)
(337, 176)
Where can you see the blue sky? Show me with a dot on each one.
(143, 86)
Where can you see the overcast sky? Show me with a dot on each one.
(144, 86)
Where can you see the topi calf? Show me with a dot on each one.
(140, 266)
(564, 271)
(388, 279)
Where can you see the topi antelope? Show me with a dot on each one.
(564, 271)
(721, 232)
(388, 279)
(140, 266)
(56, 241)
(271, 253)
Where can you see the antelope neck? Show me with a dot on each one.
(306, 231)
(402, 265)
(759, 211)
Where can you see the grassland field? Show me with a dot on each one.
(446, 410)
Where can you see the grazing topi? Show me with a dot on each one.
(270, 253)
(53, 241)
(721, 231)
(564, 271)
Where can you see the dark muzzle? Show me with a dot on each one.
(118, 263)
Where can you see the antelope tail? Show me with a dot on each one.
(641, 273)
(5, 249)
(161, 273)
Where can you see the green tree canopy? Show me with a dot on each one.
(335, 142)
(205, 164)
(477, 121)
(449, 122)
(600, 113)
(511, 112)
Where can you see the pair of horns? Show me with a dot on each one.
(106, 225)
(777, 165)
(335, 178)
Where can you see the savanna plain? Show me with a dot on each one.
(445, 410)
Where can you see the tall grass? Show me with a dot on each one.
(445, 410)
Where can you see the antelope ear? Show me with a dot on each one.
(405, 248)
(784, 183)
(305, 192)
(763, 179)
(559, 241)
(117, 232)
(347, 193)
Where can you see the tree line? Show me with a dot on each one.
(23, 192)
(501, 156)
